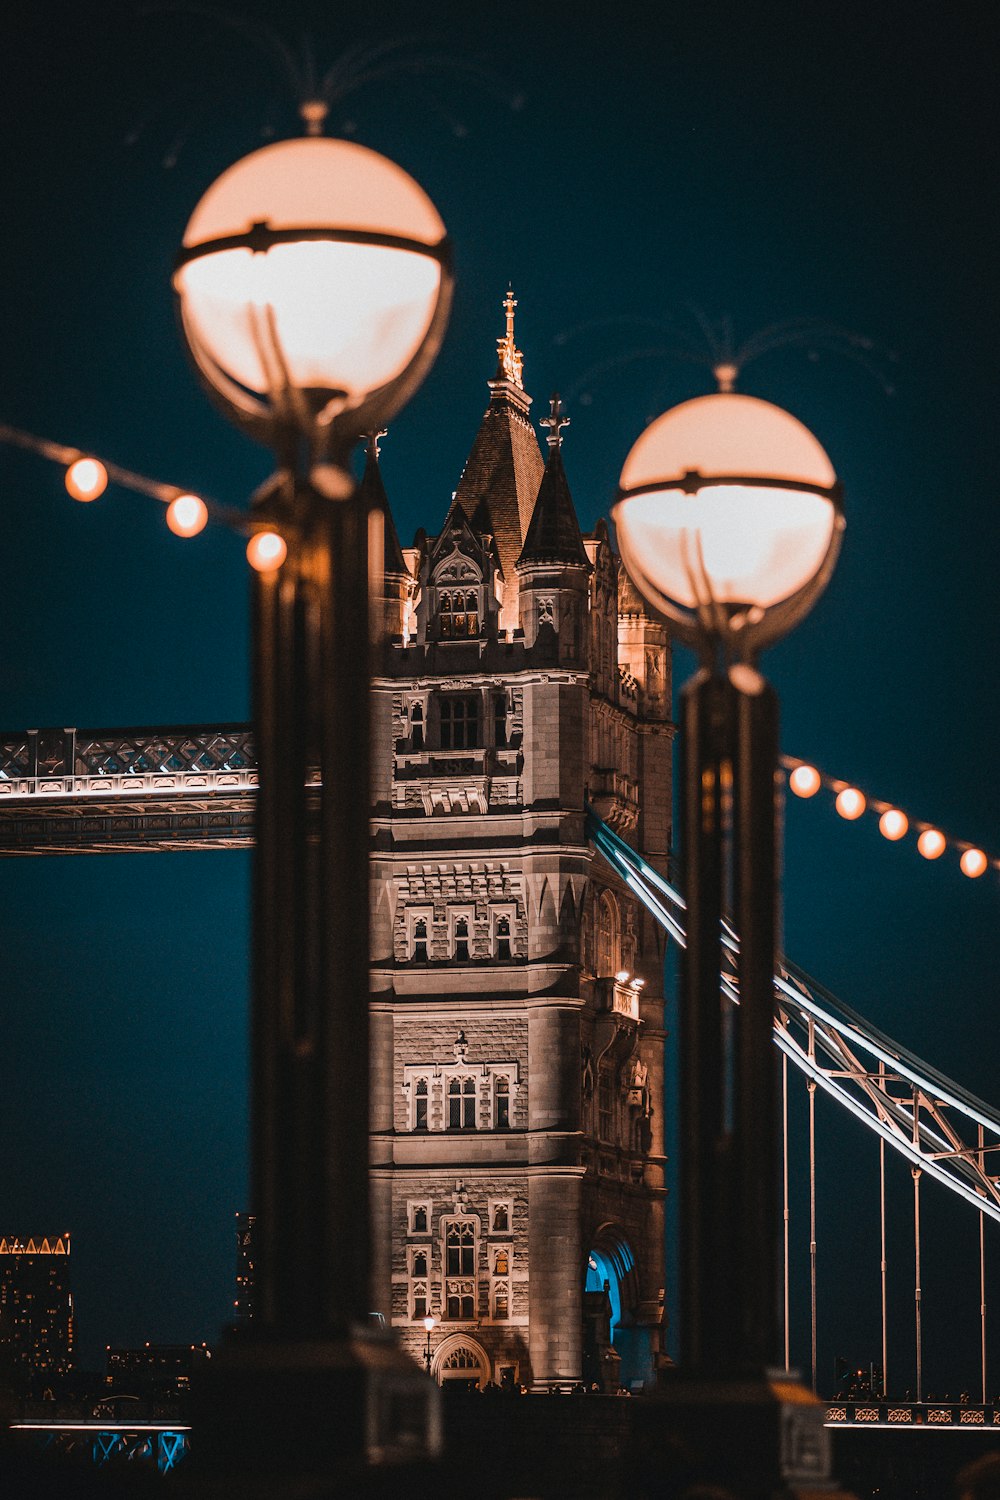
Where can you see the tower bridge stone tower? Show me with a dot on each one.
(517, 1011)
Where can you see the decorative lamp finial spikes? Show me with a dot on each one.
(372, 440)
(510, 358)
(313, 113)
(725, 375)
(555, 421)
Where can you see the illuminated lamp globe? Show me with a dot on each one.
(805, 781)
(187, 515)
(314, 283)
(86, 479)
(893, 824)
(931, 843)
(850, 803)
(729, 519)
(973, 863)
(266, 551)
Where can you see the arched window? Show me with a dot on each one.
(608, 946)
(458, 611)
(420, 1263)
(461, 1359)
(420, 1109)
(462, 939)
(420, 939)
(460, 1246)
(460, 1269)
(462, 1104)
(501, 1103)
(503, 937)
(417, 726)
(420, 1219)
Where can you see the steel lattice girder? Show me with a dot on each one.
(938, 1126)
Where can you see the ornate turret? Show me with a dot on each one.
(553, 534)
(553, 566)
(504, 469)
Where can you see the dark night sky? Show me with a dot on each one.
(761, 161)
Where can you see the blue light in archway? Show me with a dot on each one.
(600, 1269)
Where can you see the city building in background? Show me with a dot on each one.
(153, 1372)
(517, 1010)
(37, 1333)
(243, 1303)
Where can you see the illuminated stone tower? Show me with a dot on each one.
(517, 1011)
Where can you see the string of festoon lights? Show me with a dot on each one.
(87, 477)
(894, 824)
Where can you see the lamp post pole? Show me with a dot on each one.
(729, 522)
(310, 1014)
(314, 285)
(729, 1269)
(430, 1324)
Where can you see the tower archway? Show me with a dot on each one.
(461, 1360)
(610, 1259)
(613, 1339)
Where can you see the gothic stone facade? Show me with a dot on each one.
(517, 1010)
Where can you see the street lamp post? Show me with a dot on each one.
(430, 1323)
(729, 522)
(314, 285)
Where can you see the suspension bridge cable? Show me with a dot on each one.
(811, 1086)
(982, 1280)
(784, 1174)
(917, 1309)
(884, 1266)
(933, 1137)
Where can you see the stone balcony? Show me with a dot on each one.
(457, 781)
(615, 798)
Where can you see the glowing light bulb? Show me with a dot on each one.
(931, 843)
(622, 976)
(893, 824)
(850, 803)
(973, 863)
(86, 479)
(187, 515)
(266, 551)
(805, 781)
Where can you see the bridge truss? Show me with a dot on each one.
(933, 1122)
(94, 791)
(193, 787)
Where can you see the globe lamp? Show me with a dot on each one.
(314, 284)
(729, 520)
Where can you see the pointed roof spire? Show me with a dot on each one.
(510, 360)
(504, 468)
(553, 534)
(373, 489)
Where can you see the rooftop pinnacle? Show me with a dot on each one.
(510, 360)
(555, 421)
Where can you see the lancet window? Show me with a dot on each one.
(458, 612)
(460, 1268)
